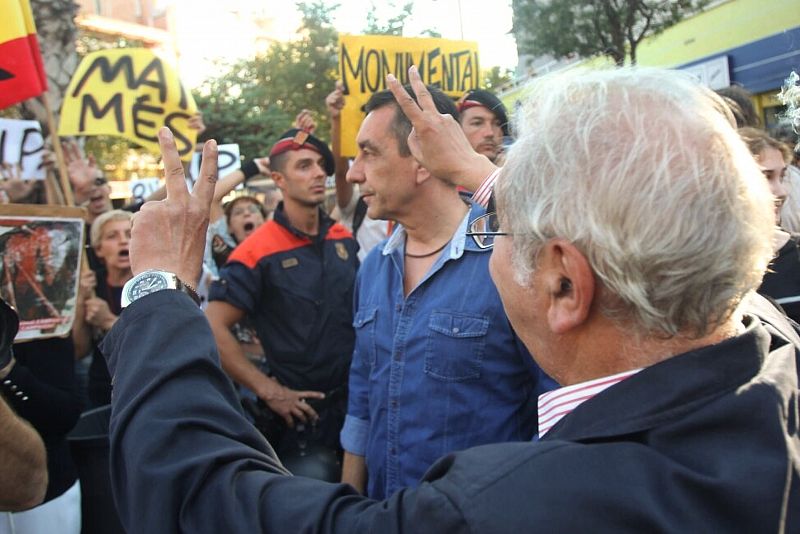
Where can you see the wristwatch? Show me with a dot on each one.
(151, 281)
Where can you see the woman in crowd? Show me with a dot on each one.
(782, 280)
(99, 304)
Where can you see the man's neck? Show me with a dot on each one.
(433, 222)
(302, 216)
(613, 350)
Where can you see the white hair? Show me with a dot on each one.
(642, 170)
(96, 231)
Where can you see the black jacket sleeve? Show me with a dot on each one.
(184, 459)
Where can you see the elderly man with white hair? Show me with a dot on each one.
(632, 224)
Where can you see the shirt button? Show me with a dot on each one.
(19, 393)
(455, 330)
(394, 404)
(13, 387)
(25, 398)
(7, 382)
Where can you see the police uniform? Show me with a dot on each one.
(298, 291)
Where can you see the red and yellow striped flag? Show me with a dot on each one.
(22, 73)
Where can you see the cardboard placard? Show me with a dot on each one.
(21, 143)
(228, 160)
(365, 60)
(40, 267)
(131, 93)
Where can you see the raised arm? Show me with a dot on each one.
(229, 182)
(334, 103)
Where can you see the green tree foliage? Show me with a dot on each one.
(393, 25)
(496, 77)
(613, 28)
(254, 101)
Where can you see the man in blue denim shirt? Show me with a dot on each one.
(437, 367)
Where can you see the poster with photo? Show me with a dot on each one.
(40, 267)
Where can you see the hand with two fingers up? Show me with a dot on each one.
(169, 235)
(437, 140)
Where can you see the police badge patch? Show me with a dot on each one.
(341, 251)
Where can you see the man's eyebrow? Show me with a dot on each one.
(368, 145)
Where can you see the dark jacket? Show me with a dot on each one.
(782, 280)
(705, 441)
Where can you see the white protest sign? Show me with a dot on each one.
(227, 162)
(21, 143)
(143, 188)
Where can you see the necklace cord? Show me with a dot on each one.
(429, 254)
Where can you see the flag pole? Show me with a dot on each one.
(62, 166)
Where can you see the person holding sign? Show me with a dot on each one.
(293, 278)
(99, 299)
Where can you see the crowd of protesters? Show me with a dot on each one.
(364, 343)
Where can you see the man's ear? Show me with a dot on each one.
(422, 174)
(279, 179)
(570, 283)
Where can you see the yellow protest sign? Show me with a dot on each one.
(129, 92)
(365, 60)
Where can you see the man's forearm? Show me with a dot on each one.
(354, 471)
(23, 463)
(235, 363)
(344, 189)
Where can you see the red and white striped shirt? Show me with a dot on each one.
(484, 192)
(554, 405)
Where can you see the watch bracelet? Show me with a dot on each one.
(192, 292)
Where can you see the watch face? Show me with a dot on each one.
(148, 283)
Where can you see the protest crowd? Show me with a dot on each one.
(579, 316)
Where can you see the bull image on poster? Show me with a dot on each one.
(39, 273)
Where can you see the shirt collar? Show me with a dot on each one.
(325, 222)
(458, 243)
(557, 404)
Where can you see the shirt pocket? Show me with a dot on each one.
(364, 324)
(456, 343)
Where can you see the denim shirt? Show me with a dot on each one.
(437, 371)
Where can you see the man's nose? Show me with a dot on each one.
(355, 174)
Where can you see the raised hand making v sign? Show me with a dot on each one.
(437, 140)
(169, 235)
